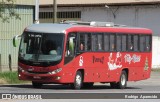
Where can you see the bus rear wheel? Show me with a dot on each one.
(78, 81)
(36, 84)
(123, 80)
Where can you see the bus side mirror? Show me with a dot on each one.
(15, 40)
(71, 46)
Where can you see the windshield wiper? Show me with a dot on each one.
(38, 46)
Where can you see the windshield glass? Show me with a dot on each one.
(41, 47)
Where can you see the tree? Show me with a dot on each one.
(7, 10)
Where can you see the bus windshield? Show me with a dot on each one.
(41, 47)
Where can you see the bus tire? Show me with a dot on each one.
(78, 81)
(36, 85)
(123, 80)
(88, 85)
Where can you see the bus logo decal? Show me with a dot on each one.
(81, 61)
(100, 60)
(115, 63)
(146, 65)
(135, 58)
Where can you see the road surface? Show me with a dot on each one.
(99, 91)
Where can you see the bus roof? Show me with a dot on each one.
(48, 28)
(61, 28)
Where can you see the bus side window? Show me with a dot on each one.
(112, 43)
(119, 42)
(97, 42)
(94, 42)
(130, 43)
(100, 42)
(87, 43)
(67, 52)
(70, 46)
(142, 43)
(148, 43)
(106, 42)
(81, 42)
(124, 42)
(136, 43)
(81, 46)
(84, 42)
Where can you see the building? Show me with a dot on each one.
(8, 53)
(138, 13)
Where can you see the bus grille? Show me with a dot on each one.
(37, 72)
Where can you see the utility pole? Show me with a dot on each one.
(54, 11)
(0, 64)
(37, 12)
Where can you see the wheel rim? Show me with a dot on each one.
(123, 80)
(78, 80)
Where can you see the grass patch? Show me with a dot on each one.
(10, 78)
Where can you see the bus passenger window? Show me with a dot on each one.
(119, 43)
(106, 42)
(124, 42)
(87, 42)
(84, 42)
(113, 47)
(99, 47)
(130, 43)
(131, 47)
(142, 43)
(94, 42)
(112, 43)
(81, 46)
(148, 43)
(100, 42)
(136, 43)
(70, 46)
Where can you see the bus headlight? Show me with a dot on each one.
(56, 71)
(21, 69)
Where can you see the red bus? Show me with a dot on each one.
(80, 54)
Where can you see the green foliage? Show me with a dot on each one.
(156, 70)
(7, 10)
(11, 77)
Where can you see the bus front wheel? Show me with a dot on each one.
(78, 81)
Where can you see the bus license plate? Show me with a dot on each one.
(36, 77)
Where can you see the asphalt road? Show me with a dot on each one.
(150, 85)
(99, 91)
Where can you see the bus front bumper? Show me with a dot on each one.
(43, 78)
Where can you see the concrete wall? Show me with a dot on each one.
(140, 16)
(156, 52)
